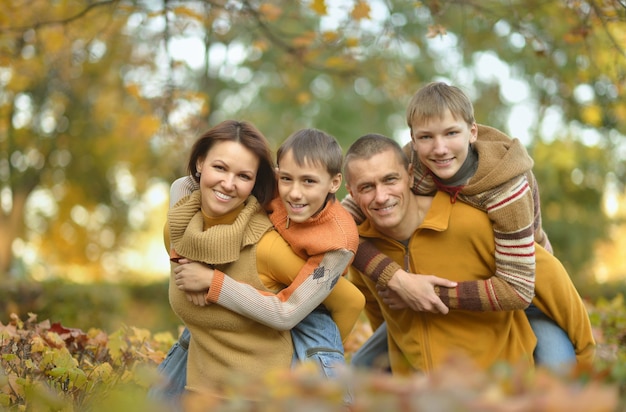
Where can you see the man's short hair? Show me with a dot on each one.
(370, 145)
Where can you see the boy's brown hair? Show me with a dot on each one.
(432, 101)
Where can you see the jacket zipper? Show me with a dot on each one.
(427, 358)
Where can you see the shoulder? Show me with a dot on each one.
(342, 225)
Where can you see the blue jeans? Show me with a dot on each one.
(554, 348)
(174, 371)
(316, 338)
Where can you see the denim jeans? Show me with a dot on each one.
(174, 371)
(554, 349)
(316, 338)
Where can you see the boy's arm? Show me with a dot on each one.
(285, 309)
(510, 208)
(541, 236)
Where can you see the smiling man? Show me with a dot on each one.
(452, 240)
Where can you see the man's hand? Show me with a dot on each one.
(192, 276)
(416, 291)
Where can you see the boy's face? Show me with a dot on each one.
(442, 144)
(303, 189)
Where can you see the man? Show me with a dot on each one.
(431, 235)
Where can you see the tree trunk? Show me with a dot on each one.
(11, 226)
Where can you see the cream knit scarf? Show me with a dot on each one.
(218, 244)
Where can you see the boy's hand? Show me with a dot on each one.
(192, 276)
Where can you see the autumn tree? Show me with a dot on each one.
(98, 101)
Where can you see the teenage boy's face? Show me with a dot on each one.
(303, 189)
(442, 144)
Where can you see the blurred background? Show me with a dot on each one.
(101, 100)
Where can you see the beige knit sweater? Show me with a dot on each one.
(224, 343)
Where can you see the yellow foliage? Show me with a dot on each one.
(305, 40)
(319, 6)
(186, 11)
(261, 44)
(270, 11)
(361, 10)
(352, 42)
(336, 62)
(303, 98)
(54, 40)
(592, 115)
(330, 36)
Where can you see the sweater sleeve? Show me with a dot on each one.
(181, 187)
(288, 307)
(511, 211)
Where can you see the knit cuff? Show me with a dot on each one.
(387, 274)
(215, 289)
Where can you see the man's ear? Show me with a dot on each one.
(349, 190)
(335, 183)
(411, 174)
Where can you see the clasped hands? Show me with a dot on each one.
(193, 278)
(417, 292)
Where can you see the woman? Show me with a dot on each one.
(224, 225)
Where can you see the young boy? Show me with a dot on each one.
(489, 171)
(316, 226)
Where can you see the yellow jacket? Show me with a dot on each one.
(421, 341)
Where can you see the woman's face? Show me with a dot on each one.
(228, 173)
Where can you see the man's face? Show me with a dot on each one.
(380, 187)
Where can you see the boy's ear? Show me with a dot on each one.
(335, 183)
(474, 132)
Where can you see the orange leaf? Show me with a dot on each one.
(361, 11)
(319, 6)
(271, 12)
